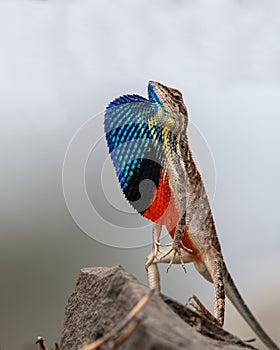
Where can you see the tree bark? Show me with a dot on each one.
(104, 296)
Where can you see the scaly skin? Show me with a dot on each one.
(147, 140)
(195, 224)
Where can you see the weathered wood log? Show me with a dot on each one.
(104, 296)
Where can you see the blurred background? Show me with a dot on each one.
(61, 62)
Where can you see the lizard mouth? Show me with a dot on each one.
(155, 92)
(159, 93)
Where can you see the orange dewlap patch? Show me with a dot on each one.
(159, 210)
(163, 211)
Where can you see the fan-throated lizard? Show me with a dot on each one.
(148, 144)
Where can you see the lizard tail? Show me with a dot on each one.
(236, 299)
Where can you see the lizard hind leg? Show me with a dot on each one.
(197, 305)
(215, 271)
(156, 231)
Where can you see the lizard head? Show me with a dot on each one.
(171, 100)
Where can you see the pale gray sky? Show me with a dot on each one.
(61, 62)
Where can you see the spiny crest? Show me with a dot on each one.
(126, 99)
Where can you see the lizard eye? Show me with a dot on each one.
(177, 97)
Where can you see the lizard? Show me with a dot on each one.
(148, 145)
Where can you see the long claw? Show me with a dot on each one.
(197, 305)
(176, 251)
(171, 262)
(188, 250)
(182, 263)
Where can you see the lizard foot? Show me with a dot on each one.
(176, 249)
(197, 305)
(188, 250)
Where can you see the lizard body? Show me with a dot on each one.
(148, 144)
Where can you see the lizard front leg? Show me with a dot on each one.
(156, 231)
(151, 266)
(153, 274)
(177, 244)
(178, 183)
(164, 255)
